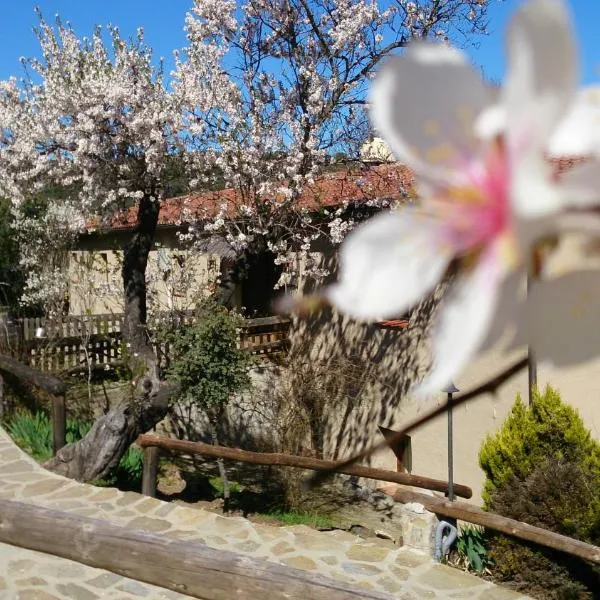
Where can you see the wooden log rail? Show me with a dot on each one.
(182, 566)
(149, 442)
(49, 384)
(53, 386)
(489, 520)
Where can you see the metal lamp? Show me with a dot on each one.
(450, 390)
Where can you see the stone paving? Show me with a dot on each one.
(378, 565)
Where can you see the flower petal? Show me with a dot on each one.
(464, 321)
(388, 264)
(562, 318)
(580, 186)
(578, 133)
(491, 122)
(424, 104)
(509, 306)
(539, 87)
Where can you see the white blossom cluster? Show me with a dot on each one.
(98, 130)
(274, 89)
(261, 97)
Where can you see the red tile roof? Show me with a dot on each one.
(379, 182)
(373, 182)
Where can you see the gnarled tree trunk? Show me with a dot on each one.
(101, 449)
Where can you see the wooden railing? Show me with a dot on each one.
(79, 342)
(184, 566)
(153, 443)
(489, 520)
(51, 385)
(440, 506)
(458, 510)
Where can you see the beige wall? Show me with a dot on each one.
(175, 278)
(578, 385)
(397, 360)
(401, 359)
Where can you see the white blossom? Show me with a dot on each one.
(489, 200)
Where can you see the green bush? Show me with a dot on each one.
(543, 468)
(210, 367)
(33, 433)
(530, 435)
(559, 496)
(207, 361)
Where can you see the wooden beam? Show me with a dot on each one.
(150, 471)
(13, 367)
(59, 423)
(301, 462)
(182, 566)
(518, 529)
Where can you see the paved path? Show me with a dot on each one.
(27, 575)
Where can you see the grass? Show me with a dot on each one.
(33, 433)
(285, 517)
(299, 518)
(217, 485)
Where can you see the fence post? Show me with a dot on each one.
(150, 471)
(59, 422)
(2, 400)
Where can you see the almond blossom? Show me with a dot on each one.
(273, 90)
(488, 191)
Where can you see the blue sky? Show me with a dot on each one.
(163, 24)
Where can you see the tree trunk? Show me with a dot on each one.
(221, 465)
(135, 259)
(100, 451)
(225, 292)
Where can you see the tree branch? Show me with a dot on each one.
(488, 387)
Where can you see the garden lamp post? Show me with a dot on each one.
(450, 390)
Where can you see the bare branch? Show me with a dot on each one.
(489, 386)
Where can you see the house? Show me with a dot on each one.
(176, 274)
(398, 356)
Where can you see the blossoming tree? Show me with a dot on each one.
(93, 118)
(263, 94)
(283, 87)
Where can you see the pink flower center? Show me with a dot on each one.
(478, 210)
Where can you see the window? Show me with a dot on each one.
(104, 265)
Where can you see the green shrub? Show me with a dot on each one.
(543, 468)
(210, 367)
(130, 468)
(559, 496)
(529, 435)
(302, 518)
(206, 359)
(32, 433)
(471, 548)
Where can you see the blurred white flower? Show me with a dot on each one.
(488, 191)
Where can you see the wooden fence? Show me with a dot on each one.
(153, 443)
(79, 342)
(440, 506)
